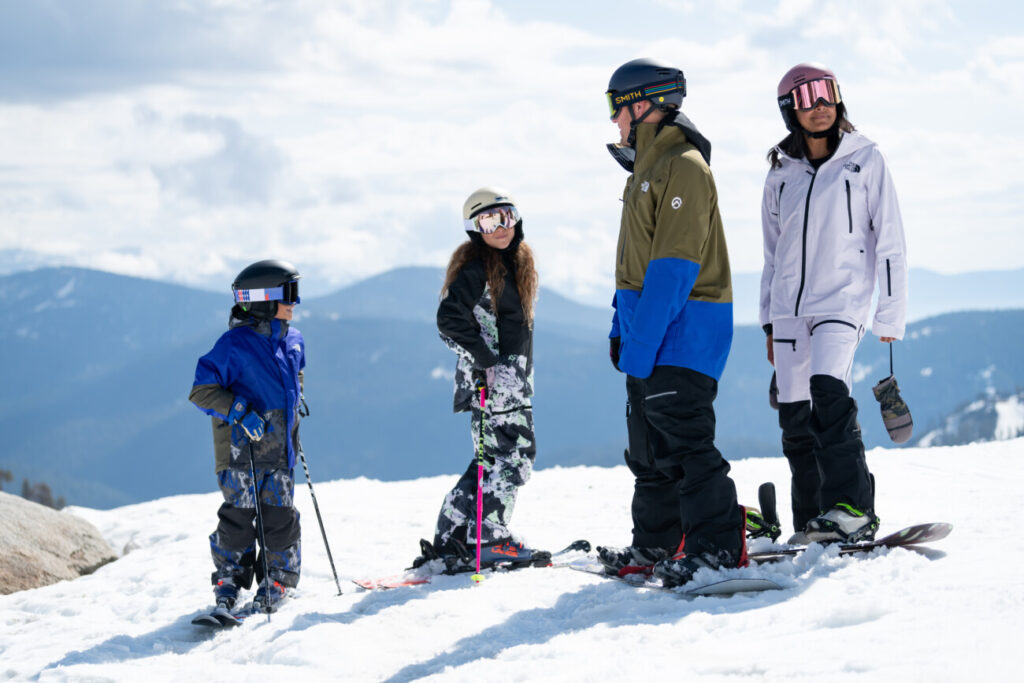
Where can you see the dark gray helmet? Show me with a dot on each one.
(259, 287)
(646, 79)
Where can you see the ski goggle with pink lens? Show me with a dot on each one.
(807, 95)
(287, 293)
(492, 218)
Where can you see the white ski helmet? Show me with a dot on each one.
(484, 198)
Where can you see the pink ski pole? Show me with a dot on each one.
(482, 390)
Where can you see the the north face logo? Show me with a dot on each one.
(852, 167)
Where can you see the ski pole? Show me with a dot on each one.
(891, 372)
(319, 519)
(481, 388)
(259, 526)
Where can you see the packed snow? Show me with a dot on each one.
(949, 614)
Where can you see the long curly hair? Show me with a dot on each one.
(494, 266)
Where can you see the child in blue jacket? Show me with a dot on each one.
(250, 383)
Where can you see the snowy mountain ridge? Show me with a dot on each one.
(948, 613)
(96, 406)
(996, 417)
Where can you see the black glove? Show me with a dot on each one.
(613, 350)
(479, 377)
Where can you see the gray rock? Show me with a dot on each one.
(40, 545)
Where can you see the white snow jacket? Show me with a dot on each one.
(827, 233)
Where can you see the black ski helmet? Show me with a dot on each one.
(259, 287)
(646, 79)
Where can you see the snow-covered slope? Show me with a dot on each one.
(948, 615)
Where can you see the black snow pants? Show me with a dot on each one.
(682, 487)
(821, 439)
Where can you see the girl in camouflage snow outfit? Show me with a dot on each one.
(486, 318)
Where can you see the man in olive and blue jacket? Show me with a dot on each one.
(671, 333)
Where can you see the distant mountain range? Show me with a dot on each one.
(99, 367)
(992, 418)
(932, 293)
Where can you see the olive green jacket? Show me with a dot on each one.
(673, 284)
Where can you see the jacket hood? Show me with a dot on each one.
(625, 155)
(848, 144)
(694, 136)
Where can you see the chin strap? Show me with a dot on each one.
(633, 121)
(625, 153)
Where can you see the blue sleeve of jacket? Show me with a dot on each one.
(215, 368)
(667, 286)
(615, 318)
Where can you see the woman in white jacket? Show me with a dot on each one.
(832, 228)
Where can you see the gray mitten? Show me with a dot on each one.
(895, 413)
(773, 393)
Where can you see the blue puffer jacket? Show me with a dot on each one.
(260, 361)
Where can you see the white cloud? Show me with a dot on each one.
(344, 136)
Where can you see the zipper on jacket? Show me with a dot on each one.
(849, 211)
(803, 255)
(888, 276)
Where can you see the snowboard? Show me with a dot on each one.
(917, 534)
(410, 578)
(721, 588)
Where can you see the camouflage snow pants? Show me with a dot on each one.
(509, 452)
(233, 544)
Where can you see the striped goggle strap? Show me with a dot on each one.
(268, 294)
(288, 292)
(618, 99)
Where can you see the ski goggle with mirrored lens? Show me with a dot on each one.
(490, 219)
(806, 95)
(288, 293)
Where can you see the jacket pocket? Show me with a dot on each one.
(791, 342)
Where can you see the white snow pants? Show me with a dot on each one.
(807, 346)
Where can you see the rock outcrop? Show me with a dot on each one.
(40, 545)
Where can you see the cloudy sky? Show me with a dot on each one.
(183, 139)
